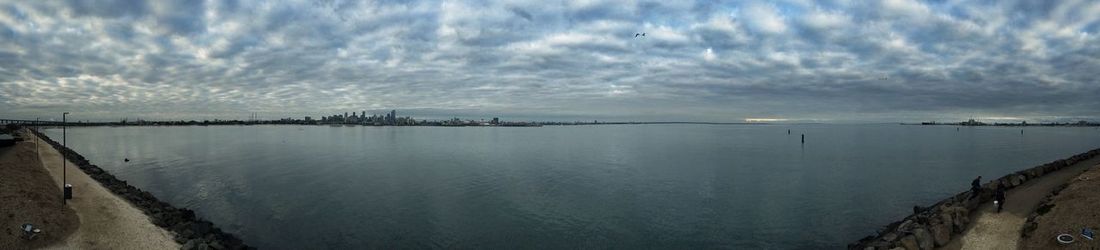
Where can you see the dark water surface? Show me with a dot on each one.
(612, 186)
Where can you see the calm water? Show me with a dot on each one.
(629, 186)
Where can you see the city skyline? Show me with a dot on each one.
(751, 61)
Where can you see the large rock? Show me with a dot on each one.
(201, 228)
(960, 217)
(191, 244)
(909, 242)
(924, 238)
(941, 234)
(891, 236)
(946, 215)
(905, 226)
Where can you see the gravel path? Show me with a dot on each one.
(992, 230)
(106, 221)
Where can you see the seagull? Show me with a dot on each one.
(636, 35)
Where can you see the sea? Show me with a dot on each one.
(670, 186)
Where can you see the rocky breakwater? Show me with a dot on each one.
(191, 231)
(935, 225)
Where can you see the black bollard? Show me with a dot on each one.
(68, 191)
(803, 138)
(788, 131)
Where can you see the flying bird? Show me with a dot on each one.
(639, 34)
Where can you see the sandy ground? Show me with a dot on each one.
(106, 221)
(1075, 207)
(991, 230)
(28, 195)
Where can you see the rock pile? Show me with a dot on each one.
(1032, 222)
(934, 226)
(191, 232)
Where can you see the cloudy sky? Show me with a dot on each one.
(725, 61)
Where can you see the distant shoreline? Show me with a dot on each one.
(249, 123)
(1008, 124)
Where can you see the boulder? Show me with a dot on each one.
(946, 218)
(180, 226)
(909, 242)
(960, 218)
(941, 234)
(187, 233)
(891, 236)
(201, 228)
(190, 245)
(216, 246)
(905, 226)
(924, 238)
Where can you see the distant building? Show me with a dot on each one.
(972, 122)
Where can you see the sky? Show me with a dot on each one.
(717, 61)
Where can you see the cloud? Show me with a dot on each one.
(699, 60)
(765, 18)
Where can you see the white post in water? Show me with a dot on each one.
(64, 142)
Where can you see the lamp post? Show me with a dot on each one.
(36, 150)
(64, 142)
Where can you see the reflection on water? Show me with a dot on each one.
(629, 186)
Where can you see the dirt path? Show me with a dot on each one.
(992, 230)
(1074, 208)
(106, 221)
(27, 195)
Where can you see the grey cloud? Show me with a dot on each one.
(522, 13)
(108, 8)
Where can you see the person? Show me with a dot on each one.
(999, 197)
(975, 187)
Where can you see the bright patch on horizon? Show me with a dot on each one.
(766, 119)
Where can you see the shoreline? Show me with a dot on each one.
(944, 221)
(189, 230)
(107, 221)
